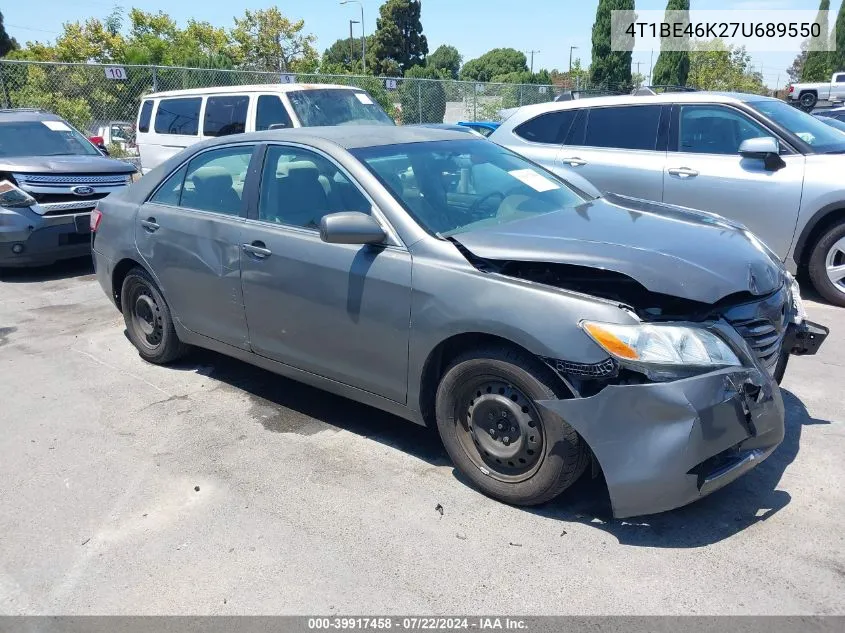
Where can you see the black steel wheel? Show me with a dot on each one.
(497, 435)
(148, 320)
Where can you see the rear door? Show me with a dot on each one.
(188, 234)
(705, 171)
(271, 113)
(619, 149)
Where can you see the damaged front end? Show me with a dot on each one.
(687, 399)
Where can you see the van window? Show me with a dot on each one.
(225, 115)
(623, 127)
(146, 114)
(547, 128)
(178, 116)
(706, 129)
(271, 111)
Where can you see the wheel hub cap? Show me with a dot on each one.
(835, 265)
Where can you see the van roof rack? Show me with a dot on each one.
(660, 89)
(571, 95)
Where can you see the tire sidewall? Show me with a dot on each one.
(811, 100)
(818, 266)
(555, 431)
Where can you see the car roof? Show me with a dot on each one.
(280, 88)
(27, 114)
(351, 136)
(666, 97)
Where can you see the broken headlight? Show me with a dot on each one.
(649, 346)
(799, 312)
(13, 197)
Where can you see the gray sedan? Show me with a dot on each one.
(445, 279)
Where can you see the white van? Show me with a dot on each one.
(168, 122)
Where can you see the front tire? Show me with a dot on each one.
(827, 265)
(149, 323)
(497, 435)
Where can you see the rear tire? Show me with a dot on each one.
(827, 257)
(495, 433)
(149, 323)
(808, 100)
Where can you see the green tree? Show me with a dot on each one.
(819, 63)
(266, 40)
(715, 66)
(398, 43)
(422, 100)
(446, 58)
(609, 68)
(341, 57)
(7, 44)
(672, 67)
(795, 71)
(838, 56)
(494, 63)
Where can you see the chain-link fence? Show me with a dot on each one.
(91, 96)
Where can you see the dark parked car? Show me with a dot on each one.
(448, 280)
(51, 176)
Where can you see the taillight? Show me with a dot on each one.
(96, 218)
(791, 89)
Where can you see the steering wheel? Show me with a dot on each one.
(477, 204)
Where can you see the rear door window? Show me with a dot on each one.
(225, 115)
(146, 115)
(178, 116)
(623, 127)
(551, 127)
(271, 111)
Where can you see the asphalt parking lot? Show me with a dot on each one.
(213, 487)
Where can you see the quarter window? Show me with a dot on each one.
(299, 187)
(146, 114)
(225, 115)
(271, 111)
(178, 116)
(547, 128)
(626, 127)
(714, 130)
(212, 181)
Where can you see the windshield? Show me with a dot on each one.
(451, 187)
(336, 106)
(821, 137)
(43, 138)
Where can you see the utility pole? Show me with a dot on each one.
(351, 41)
(532, 60)
(571, 48)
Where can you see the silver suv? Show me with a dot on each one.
(753, 159)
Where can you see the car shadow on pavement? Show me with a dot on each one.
(286, 406)
(751, 499)
(79, 267)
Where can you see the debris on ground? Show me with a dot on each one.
(439, 508)
(515, 544)
(85, 542)
(463, 537)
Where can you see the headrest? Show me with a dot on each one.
(212, 176)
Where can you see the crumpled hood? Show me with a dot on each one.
(65, 165)
(669, 250)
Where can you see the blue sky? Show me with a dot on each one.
(473, 26)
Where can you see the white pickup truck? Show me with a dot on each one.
(807, 95)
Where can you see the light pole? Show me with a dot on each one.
(532, 60)
(351, 41)
(363, 33)
(571, 48)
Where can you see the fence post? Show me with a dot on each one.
(520, 95)
(155, 79)
(419, 101)
(7, 101)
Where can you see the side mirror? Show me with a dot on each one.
(351, 227)
(765, 148)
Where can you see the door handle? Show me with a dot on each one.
(682, 172)
(257, 249)
(573, 161)
(150, 225)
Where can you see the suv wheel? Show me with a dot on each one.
(148, 321)
(495, 433)
(808, 100)
(827, 265)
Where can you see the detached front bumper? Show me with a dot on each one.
(804, 339)
(664, 445)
